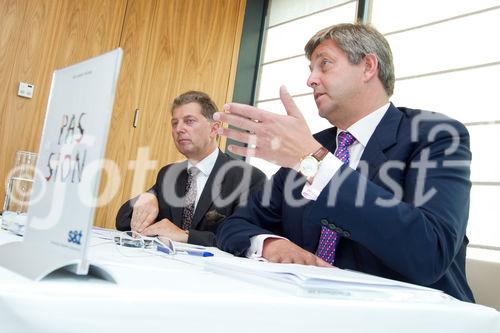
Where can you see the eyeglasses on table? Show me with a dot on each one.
(134, 239)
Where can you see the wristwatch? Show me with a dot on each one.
(309, 164)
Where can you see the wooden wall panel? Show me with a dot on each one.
(122, 136)
(11, 19)
(52, 34)
(192, 48)
(170, 46)
(12, 14)
(84, 29)
(234, 64)
(22, 118)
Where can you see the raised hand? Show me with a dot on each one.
(281, 139)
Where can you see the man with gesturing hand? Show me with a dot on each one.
(384, 191)
(191, 198)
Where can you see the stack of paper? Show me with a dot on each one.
(318, 280)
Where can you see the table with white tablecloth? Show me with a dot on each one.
(180, 293)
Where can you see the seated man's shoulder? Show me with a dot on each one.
(428, 119)
(238, 166)
(424, 125)
(237, 171)
(180, 165)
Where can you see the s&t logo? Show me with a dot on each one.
(75, 237)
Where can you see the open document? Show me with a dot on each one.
(314, 280)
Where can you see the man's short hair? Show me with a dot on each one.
(208, 107)
(358, 40)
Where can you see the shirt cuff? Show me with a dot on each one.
(257, 245)
(327, 169)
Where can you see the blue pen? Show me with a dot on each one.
(190, 252)
(198, 253)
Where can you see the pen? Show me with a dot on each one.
(190, 252)
(198, 253)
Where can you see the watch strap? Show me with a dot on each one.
(320, 153)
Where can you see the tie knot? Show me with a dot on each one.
(193, 171)
(346, 139)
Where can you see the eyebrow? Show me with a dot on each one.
(319, 55)
(184, 117)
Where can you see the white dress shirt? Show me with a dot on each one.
(205, 166)
(362, 131)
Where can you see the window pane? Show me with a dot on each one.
(484, 226)
(453, 44)
(469, 95)
(289, 39)
(293, 73)
(485, 166)
(393, 15)
(285, 10)
(308, 107)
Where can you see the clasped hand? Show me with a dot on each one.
(145, 212)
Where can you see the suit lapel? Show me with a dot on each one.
(180, 189)
(206, 200)
(327, 138)
(384, 136)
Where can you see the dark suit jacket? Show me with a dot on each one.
(229, 181)
(415, 239)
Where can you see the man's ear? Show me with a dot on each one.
(370, 62)
(214, 127)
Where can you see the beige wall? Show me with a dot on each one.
(484, 279)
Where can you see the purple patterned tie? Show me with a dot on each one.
(328, 238)
(190, 198)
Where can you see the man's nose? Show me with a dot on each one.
(312, 81)
(179, 128)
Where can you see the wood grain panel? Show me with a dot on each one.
(170, 46)
(12, 14)
(11, 18)
(191, 47)
(86, 29)
(192, 52)
(23, 118)
(52, 34)
(234, 64)
(122, 136)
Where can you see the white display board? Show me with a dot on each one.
(68, 170)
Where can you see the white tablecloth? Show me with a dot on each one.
(168, 294)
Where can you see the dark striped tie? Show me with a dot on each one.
(190, 198)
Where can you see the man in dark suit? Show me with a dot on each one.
(385, 191)
(190, 198)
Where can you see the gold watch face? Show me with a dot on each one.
(309, 166)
